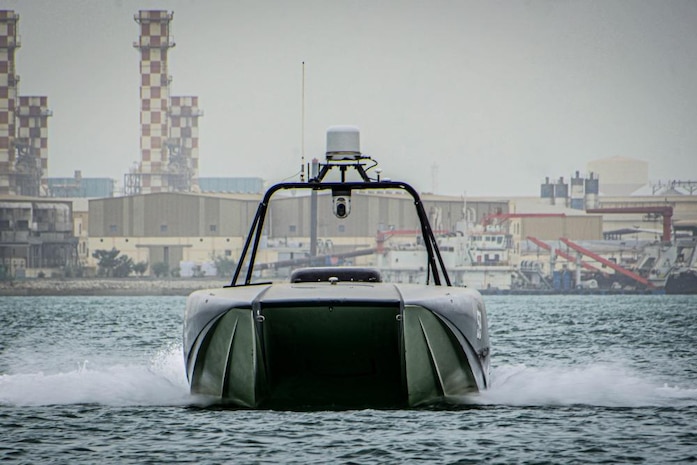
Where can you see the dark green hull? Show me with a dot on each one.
(335, 346)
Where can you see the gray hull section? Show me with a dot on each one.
(336, 345)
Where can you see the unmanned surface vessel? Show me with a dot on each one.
(336, 336)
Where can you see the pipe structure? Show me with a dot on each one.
(665, 211)
(506, 216)
(606, 262)
(561, 253)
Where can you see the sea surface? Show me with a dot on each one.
(576, 379)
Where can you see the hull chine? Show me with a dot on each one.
(436, 367)
(226, 363)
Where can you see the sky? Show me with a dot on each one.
(468, 97)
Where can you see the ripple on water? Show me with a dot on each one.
(575, 379)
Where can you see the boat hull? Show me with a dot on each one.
(324, 345)
(682, 282)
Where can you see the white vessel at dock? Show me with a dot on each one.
(479, 261)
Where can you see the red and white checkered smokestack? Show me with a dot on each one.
(23, 123)
(169, 125)
(154, 43)
(8, 98)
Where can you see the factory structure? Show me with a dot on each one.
(35, 232)
(44, 221)
(623, 183)
(23, 122)
(167, 214)
(579, 194)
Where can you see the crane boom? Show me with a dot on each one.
(560, 253)
(606, 262)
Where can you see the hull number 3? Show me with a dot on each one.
(479, 323)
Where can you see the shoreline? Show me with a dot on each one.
(185, 286)
(107, 287)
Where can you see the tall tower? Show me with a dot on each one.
(153, 44)
(182, 143)
(23, 123)
(9, 42)
(577, 192)
(169, 125)
(31, 146)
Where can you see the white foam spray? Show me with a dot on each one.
(161, 381)
(594, 384)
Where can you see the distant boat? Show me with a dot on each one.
(479, 260)
(682, 281)
(336, 336)
(682, 277)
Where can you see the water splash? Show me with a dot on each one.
(162, 381)
(595, 384)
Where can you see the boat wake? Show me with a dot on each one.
(160, 382)
(601, 385)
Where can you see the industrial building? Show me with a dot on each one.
(388, 211)
(80, 187)
(577, 228)
(171, 227)
(185, 227)
(619, 189)
(173, 216)
(169, 124)
(231, 185)
(620, 175)
(196, 228)
(36, 237)
(643, 217)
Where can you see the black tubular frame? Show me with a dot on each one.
(436, 267)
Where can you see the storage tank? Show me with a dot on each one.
(592, 188)
(561, 192)
(577, 184)
(547, 190)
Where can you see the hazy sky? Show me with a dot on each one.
(495, 94)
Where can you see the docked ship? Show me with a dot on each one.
(682, 276)
(477, 258)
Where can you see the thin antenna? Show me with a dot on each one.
(434, 177)
(302, 130)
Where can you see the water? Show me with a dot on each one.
(576, 379)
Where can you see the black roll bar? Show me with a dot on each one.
(436, 267)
